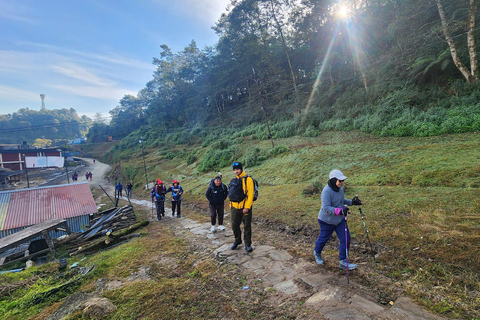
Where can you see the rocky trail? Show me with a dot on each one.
(272, 268)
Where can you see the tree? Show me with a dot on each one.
(470, 75)
(42, 143)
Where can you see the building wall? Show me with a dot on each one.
(76, 224)
(14, 159)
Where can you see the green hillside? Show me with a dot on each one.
(420, 199)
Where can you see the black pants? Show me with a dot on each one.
(237, 218)
(217, 210)
(160, 206)
(177, 205)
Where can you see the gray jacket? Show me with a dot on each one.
(330, 201)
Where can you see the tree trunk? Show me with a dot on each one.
(280, 31)
(453, 49)
(471, 39)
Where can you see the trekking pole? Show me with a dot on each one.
(153, 217)
(346, 249)
(366, 231)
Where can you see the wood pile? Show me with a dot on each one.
(112, 227)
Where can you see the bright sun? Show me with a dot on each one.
(343, 11)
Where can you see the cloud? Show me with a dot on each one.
(9, 93)
(77, 72)
(104, 93)
(203, 11)
(16, 12)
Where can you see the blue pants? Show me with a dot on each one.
(326, 231)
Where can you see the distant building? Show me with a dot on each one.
(14, 159)
(20, 209)
(78, 141)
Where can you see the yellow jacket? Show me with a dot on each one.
(249, 189)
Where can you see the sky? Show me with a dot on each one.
(88, 54)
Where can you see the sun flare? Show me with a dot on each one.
(343, 11)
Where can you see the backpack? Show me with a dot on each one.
(235, 189)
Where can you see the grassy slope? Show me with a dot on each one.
(420, 203)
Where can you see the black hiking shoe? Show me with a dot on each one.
(248, 248)
(235, 245)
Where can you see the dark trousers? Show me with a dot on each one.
(237, 218)
(326, 231)
(217, 210)
(160, 206)
(177, 205)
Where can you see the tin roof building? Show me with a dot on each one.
(20, 209)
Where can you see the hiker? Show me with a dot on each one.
(177, 191)
(75, 176)
(90, 175)
(119, 188)
(129, 188)
(87, 174)
(241, 192)
(332, 218)
(93, 161)
(216, 195)
(158, 195)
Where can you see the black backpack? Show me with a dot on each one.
(235, 189)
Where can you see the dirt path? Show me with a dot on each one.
(269, 267)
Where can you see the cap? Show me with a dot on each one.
(337, 174)
(237, 165)
(175, 181)
(159, 181)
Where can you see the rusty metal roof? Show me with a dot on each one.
(21, 208)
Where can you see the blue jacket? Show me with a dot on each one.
(176, 192)
(330, 201)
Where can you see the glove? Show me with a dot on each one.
(341, 211)
(356, 202)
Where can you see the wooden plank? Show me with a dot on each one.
(33, 255)
(32, 232)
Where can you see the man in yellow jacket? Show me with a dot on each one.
(241, 191)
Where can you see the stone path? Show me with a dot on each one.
(284, 273)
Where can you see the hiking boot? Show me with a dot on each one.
(318, 257)
(178, 216)
(248, 248)
(221, 228)
(343, 265)
(212, 229)
(235, 245)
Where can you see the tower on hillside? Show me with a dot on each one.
(42, 96)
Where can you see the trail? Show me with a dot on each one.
(290, 276)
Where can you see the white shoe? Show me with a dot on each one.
(221, 228)
(212, 229)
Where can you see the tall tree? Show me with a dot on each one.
(470, 75)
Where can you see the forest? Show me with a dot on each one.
(385, 67)
(57, 125)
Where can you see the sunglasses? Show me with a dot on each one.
(341, 181)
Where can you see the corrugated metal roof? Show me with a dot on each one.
(21, 208)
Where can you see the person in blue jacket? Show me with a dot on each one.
(332, 218)
(177, 191)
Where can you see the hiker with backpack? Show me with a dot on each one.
(216, 194)
(177, 191)
(241, 192)
(158, 195)
(332, 217)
